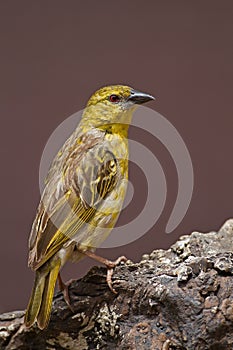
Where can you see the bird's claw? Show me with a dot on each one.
(64, 288)
(110, 266)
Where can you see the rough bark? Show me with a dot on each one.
(180, 298)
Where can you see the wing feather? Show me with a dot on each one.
(82, 178)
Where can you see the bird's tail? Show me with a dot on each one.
(40, 303)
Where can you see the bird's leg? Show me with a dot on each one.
(108, 263)
(65, 290)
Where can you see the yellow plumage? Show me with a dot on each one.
(84, 193)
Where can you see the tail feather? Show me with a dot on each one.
(35, 300)
(40, 304)
(46, 304)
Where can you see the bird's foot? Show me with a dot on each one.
(110, 268)
(108, 263)
(64, 288)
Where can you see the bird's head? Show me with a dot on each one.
(113, 104)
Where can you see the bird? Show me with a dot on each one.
(83, 195)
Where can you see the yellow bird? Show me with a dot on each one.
(83, 195)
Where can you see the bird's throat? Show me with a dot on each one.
(115, 128)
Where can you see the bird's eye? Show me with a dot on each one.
(114, 98)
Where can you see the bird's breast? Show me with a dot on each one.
(118, 145)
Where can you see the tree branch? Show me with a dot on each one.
(180, 298)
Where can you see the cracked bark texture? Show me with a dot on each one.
(180, 298)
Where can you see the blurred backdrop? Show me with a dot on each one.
(55, 54)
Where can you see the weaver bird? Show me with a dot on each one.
(83, 195)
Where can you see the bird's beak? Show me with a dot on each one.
(139, 97)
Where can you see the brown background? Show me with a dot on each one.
(54, 54)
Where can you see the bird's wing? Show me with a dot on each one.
(83, 177)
